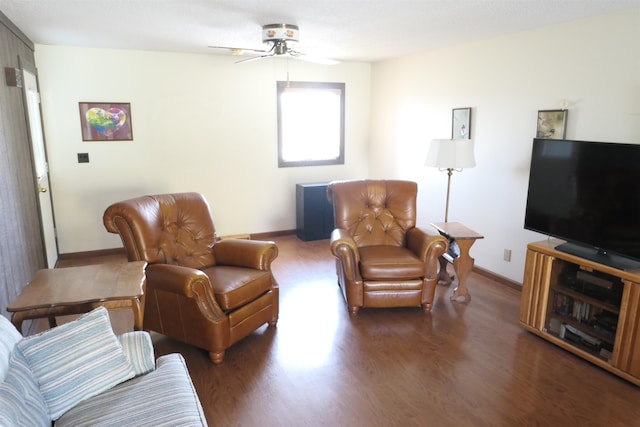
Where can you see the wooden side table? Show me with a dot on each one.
(461, 239)
(77, 290)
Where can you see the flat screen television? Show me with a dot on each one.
(587, 194)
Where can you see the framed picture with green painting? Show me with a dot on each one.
(552, 124)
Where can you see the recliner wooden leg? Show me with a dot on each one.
(274, 318)
(427, 307)
(353, 309)
(216, 356)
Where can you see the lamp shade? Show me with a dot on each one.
(451, 154)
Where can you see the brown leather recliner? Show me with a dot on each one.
(382, 259)
(200, 290)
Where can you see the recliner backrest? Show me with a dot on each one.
(166, 228)
(374, 212)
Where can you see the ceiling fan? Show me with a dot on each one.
(278, 35)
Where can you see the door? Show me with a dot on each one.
(41, 168)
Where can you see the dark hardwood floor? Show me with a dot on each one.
(461, 365)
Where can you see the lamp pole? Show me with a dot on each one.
(446, 209)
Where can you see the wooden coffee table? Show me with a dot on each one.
(77, 290)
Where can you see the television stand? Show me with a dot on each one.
(583, 306)
(598, 255)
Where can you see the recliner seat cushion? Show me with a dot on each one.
(236, 286)
(390, 263)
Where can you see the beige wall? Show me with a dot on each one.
(200, 123)
(205, 104)
(593, 64)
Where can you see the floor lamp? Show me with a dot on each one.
(449, 155)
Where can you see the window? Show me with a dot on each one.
(310, 124)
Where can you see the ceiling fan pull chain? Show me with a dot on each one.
(288, 80)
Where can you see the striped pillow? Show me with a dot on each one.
(138, 348)
(20, 401)
(9, 337)
(75, 361)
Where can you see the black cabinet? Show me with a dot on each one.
(314, 213)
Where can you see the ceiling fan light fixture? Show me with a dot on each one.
(280, 32)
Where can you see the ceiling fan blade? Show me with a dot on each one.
(255, 58)
(238, 50)
(310, 58)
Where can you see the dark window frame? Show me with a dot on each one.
(321, 86)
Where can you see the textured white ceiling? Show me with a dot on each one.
(346, 30)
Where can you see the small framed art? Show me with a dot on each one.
(552, 124)
(461, 123)
(106, 121)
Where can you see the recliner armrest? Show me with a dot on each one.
(429, 247)
(187, 282)
(346, 250)
(256, 254)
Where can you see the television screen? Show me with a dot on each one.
(588, 194)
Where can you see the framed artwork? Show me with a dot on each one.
(106, 121)
(552, 124)
(461, 123)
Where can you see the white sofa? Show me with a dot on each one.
(81, 374)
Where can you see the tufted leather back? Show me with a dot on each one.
(165, 229)
(374, 212)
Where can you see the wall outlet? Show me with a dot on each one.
(83, 157)
(507, 255)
